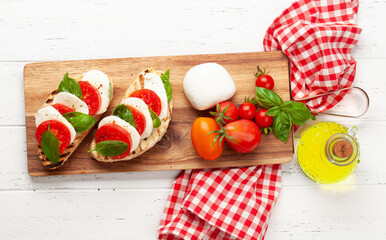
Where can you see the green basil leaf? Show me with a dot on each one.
(70, 85)
(111, 148)
(299, 114)
(123, 112)
(273, 112)
(155, 118)
(286, 106)
(267, 98)
(168, 87)
(80, 121)
(50, 146)
(282, 125)
(111, 91)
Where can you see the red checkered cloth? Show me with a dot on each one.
(317, 36)
(236, 203)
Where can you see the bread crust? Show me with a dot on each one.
(155, 136)
(73, 146)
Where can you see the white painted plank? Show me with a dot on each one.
(45, 30)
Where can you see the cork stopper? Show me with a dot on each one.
(342, 149)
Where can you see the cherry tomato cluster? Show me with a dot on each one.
(239, 127)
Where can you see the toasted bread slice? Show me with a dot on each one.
(78, 139)
(155, 136)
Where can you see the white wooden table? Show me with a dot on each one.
(129, 205)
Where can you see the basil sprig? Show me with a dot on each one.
(168, 87)
(285, 113)
(50, 145)
(110, 148)
(124, 112)
(155, 118)
(80, 121)
(70, 85)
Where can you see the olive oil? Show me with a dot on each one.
(327, 153)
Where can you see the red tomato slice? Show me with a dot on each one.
(115, 132)
(91, 96)
(150, 98)
(59, 129)
(62, 108)
(139, 119)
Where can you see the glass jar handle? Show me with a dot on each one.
(352, 131)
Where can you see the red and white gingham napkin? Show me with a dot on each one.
(235, 203)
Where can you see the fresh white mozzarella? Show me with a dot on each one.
(141, 106)
(50, 113)
(101, 81)
(135, 138)
(154, 82)
(70, 100)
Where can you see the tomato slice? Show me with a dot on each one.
(91, 96)
(59, 129)
(150, 98)
(115, 132)
(62, 109)
(139, 119)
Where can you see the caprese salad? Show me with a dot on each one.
(69, 114)
(138, 122)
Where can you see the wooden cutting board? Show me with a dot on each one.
(175, 150)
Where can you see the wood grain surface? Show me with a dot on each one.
(175, 150)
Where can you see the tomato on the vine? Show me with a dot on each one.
(203, 141)
(263, 79)
(247, 110)
(226, 111)
(263, 120)
(243, 135)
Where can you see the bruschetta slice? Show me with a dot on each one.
(138, 122)
(69, 114)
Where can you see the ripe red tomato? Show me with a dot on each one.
(231, 111)
(62, 109)
(91, 96)
(265, 81)
(139, 120)
(150, 98)
(202, 142)
(263, 120)
(247, 111)
(246, 135)
(59, 129)
(115, 132)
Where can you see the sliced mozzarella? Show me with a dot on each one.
(70, 100)
(101, 81)
(141, 106)
(50, 113)
(135, 138)
(154, 82)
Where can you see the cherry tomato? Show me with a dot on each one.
(265, 81)
(115, 132)
(246, 135)
(62, 109)
(150, 98)
(91, 96)
(202, 142)
(139, 120)
(59, 129)
(230, 112)
(263, 120)
(247, 111)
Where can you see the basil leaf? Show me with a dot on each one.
(267, 98)
(110, 148)
(50, 146)
(155, 118)
(281, 126)
(286, 106)
(124, 113)
(70, 85)
(299, 114)
(168, 87)
(111, 91)
(80, 121)
(273, 112)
